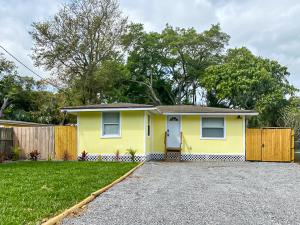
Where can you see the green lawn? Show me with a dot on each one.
(31, 191)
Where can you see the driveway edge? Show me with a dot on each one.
(59, 217)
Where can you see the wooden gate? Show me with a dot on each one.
(270, 145)
(65, 143)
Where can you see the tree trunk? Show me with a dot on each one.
(3, 107)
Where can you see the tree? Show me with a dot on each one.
(246, 81)
(168, 65)
(9, 85)
(23, 98)
(289, 117)
(80, 38)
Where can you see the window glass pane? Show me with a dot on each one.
(111, 129)
(111, 117)
(212, 132)
(148, 125)
(213, 122)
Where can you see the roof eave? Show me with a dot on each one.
(214, 114)
(107, 109)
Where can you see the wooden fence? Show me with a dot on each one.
(35, 138)
(270, 145)
(53, 142)
(6, 140)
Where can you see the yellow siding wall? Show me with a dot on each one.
(132, 134)
(159, 133)
(233, 144)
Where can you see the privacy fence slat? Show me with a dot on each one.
(6, 140)
(51, 141)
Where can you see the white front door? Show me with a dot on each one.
(173, 131)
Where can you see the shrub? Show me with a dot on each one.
(2, 156)
(100, 158)
(117, 155)
(83, 156)
(49, 158)
(15, 153)
(132, 153)
(66, 156)
(34, 155)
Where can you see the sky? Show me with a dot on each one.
(269, 28)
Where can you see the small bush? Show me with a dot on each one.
(66, 156)
(117, 155)
(132, 153)
(83, 156)
(2, 156)
(15, 153)
(49, 158)
(100, 158)
(34, 155)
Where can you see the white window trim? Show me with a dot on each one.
(212, 138)
(102, 127)
(148, 134)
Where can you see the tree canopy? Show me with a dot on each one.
(77, 41)
(23, 98)
(96, 56)
(246, 81)
(169, 64)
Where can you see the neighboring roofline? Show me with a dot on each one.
(108, 109)
(16, 122)
(215, 114)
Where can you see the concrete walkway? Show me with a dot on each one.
(200, 193)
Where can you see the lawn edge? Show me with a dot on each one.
(64, 214)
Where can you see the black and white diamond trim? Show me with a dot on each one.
(161, 156)
(122, 158)
(207, 157)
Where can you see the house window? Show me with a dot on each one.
(213, 127)
(111, 124)
(148, 126)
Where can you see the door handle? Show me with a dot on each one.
(168, 133)
(263, 145)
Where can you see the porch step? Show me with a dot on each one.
(173, 155)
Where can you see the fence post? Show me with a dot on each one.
(292, 145)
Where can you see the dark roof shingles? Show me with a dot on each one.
(163, 108)
(198, 109)
(109, 106)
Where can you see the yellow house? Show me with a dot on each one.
(187, 131)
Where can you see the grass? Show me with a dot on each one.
(32, 191)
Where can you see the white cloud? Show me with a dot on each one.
(16, 17)
(269, 28)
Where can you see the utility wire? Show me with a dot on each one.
(23, 64)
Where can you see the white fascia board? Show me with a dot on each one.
(213, 114)
(105, 110)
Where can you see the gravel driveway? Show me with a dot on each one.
(200, 193)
